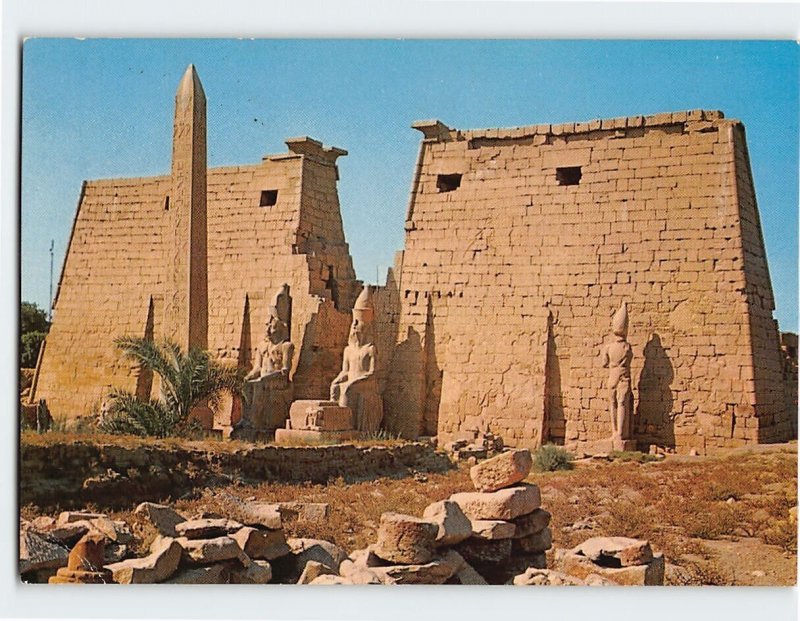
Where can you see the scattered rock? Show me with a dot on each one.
(256, 572)
(67, 517)
(36, 553)
(313, 570)
(626, 551)
(201, 551)
(545, 577)
(115, 531)
(484, 550)
(211, 574)
(453, 525)
(325, 552)
(261, 514)
(504, 504)
(405, 539)
(162, 517)
(162, 563)
(262, 544)
(434, 572)
(501, 471)
(580, 566)
(304, 511)
(333, 579)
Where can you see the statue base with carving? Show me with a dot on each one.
(313, 421)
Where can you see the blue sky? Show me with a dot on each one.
(103, 108)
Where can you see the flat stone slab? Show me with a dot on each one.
(158, 566)
(493, 529)
(504, 504)
(66, 517)
(453, 525)
(606, 550)
(531, 523)
(583, 567)
(405, 539)
(262, 514)
(503, 470)
(304, 436)
(325, 552)
(207, 528)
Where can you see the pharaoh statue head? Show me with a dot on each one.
(363, 317)
(619, 323)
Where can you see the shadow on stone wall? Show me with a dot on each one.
(555, 422)
(433, 376)
(654, 421)
(403, 397)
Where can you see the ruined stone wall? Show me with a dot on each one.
(514, 275)
(114, 278)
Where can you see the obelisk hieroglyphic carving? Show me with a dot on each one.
(187, 289)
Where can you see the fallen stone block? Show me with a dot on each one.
(503, 470)
(468, 575)
(261, 514)
(453, 525)
(582, 567)
(493, 529)
(262, 544)
(532, 544)
(162, 517)
(256, 572)
(115, 531)
(207, 528)
(325, 552)
(68, 533)
(405, 539)
(162, 563)
(66, 517)
(313, 570)
(433, 572)
(531, 523)
(504, 504)
(211, 574)
(304, 511)
(202, 551)
(484, 550)
(332, 579)
(545, 577)
(616, 551)
(37, 553)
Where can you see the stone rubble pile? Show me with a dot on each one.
(497, 534)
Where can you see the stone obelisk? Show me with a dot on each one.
(187, 290)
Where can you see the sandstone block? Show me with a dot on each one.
(504, 504)
(626, 551)
(67, 517)
(453, 525)
(256, 572)
(405, 539)
(212, 574)
(115, 531)
(304, 511)
(433, 572)
(262, 514)
(164, 518)
(531, 523)
(313, 570)
(501, 471)
(582, 567)
(202, 551)
(545, 577)
(206, 528)
(158, 566)
(533, 544)
(484, 550)
(261, 544)
(468, 575)
(325, 552)
(493, 529)
(332, 579)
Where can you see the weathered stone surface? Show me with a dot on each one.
(543, 577)
(164, 518)
(262, 514)
(624, 550)
(405, 539)
(433, 572)
(505, 504)
(256, 572)
(313, 570)
(115, 531)
(581, 567)
(207, 528)
(493, 529)
(85, 562)
(468, 575)
(162, 562)
(325, 552)
(532, 544)
(262, 544)
(67, 517)
(211, 574)
(303, 511)
(326, 579)
(37, 553)
(531, 523)
(453, 525)
(202, 551)
(42, 522)
(484, 550)
(503, 470)
(68, 533)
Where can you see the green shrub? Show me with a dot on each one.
(636, 456)
(549, 458)
(30, 343)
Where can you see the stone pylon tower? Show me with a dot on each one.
(186, 307)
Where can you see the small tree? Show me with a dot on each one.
(33, 327)
(187, 380)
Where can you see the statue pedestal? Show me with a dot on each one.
(602, 447)
(264, 409)
(314, 421)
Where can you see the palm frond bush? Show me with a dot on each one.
(187, 380)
